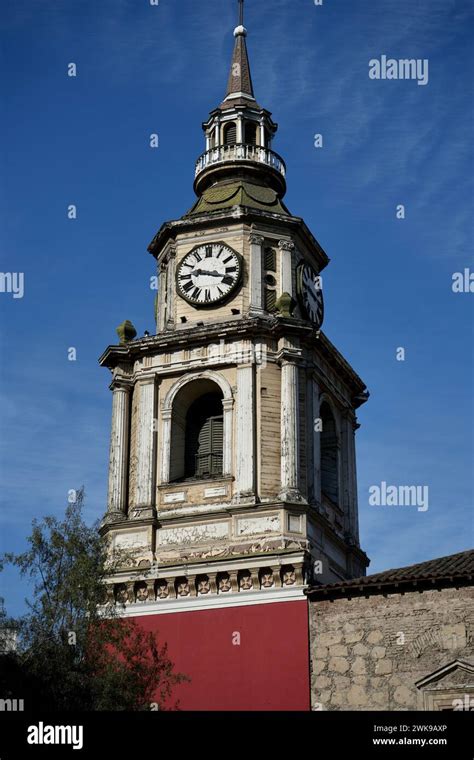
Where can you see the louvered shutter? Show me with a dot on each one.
(329, 456)
(230, 134)
(209, 453)
(270, 299)
(204, 437)
(329, 484)
(269, 258)
(217, 436)
(204, 449)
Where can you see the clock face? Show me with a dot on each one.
(310, 294)
(208, 274)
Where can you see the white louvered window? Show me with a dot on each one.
(204, 437)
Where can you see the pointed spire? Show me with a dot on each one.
(240, 80)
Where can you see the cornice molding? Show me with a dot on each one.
(220, 601)
(169, 230)
(121, 384)
(249, 327)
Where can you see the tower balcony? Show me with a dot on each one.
(239, 155)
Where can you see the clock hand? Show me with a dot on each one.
(315, 298)
(204, 271)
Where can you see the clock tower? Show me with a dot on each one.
(232, 479)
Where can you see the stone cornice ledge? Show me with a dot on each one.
(273, 327)
(220, 601)
(250, 214)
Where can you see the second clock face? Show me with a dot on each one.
(208, 274)
(310, 294)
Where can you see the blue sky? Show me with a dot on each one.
(85, 141)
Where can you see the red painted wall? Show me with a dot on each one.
(268, 671)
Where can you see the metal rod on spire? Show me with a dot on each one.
(241, 12)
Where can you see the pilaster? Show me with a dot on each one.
(289, 432)
(165, 445)
(286, 248)
(162, 297)
(245, 434)
(256, 290)
(316, 441)
(171, 288)
(143, 497)
(119, 452)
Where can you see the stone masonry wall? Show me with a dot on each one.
(368, 652)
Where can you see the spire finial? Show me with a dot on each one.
(241, 12)
(240, 30)
(240, 81)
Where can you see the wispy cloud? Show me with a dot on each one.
(414, 141)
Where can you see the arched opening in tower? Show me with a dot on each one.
(329, 455)
(197, 432)
(250, 133)
(230, 133)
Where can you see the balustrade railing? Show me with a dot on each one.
(240, 152)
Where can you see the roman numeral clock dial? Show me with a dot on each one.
(208, 274)
(310, 294)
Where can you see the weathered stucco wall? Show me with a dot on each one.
(367, 653)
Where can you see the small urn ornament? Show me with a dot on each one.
(126, 332)
(285, 305)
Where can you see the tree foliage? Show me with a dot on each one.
(75, 651)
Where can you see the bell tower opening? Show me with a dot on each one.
(197, 432)
(250, 133)
(204, 437)
(230, 133)
(329, 455)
